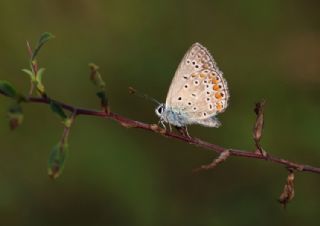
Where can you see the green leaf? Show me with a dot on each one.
(56, 108)
(96, 77)
(40, 88)
(39, 85)
(30, 73)
(45, 37)
(103, 98)
(7, 89)
(15, 116)
(39, 74)
(68, 122)
(57, 159)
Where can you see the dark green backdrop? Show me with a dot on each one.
(117, 176)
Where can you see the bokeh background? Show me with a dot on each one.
(117, 176)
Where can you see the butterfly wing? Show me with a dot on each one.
(198, 88)
(196, 58)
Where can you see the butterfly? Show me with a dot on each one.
(198, 91)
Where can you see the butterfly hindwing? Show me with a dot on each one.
(198, 89)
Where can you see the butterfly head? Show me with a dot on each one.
(160, 109)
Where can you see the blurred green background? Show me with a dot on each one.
(117, 176)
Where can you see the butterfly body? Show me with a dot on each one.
(179, 118)
(198, 91)
(174, 117)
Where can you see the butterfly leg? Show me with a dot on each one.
(170, 127)
(162, 124)
(186, 130)
(183, 131)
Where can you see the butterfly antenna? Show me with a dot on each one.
(145, 96)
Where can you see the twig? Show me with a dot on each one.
(221, 158)
(130, 123)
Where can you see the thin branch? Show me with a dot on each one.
(34, 69)
(221, 158)
(130, 123)
(67, 127)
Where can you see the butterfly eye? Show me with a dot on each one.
(160, 109)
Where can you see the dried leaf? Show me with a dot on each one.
(257, 132)
(258, 127)
(15, 115)
(288, 190)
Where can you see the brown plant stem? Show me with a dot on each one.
(130, 123)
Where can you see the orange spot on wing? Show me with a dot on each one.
(216, 87)
(219, 106)
(215, 81)
(218, 95)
